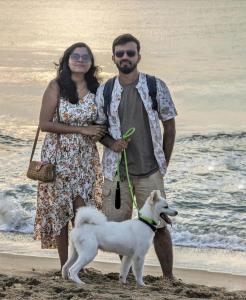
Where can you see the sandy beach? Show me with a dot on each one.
(30, 277)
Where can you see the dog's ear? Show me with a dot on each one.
(155, 196)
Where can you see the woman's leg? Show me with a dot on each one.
(62, 239)
(77, 203)
(62, 245)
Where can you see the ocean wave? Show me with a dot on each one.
(211, 240)
(23, 189)
(214, 137)
(13, 141)
(14, 218)
(19, 217)
(213, 206)
(19, 191)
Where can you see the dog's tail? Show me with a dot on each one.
(89, 215)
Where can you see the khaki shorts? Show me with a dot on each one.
(142, 187)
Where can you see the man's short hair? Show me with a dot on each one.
(125, 38)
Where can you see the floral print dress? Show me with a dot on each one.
(78, 171)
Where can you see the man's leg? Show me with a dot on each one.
(162, 240)
(108, 202)
(164, 251)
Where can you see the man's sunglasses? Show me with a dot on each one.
(129, 53)
(76, 57)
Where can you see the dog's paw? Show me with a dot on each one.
(80, 282)
(65, 276)
(64, 273)
(75, 278)
(141, 284)
(121, 280)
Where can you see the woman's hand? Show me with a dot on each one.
(94, 130)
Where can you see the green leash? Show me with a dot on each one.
(129, 133)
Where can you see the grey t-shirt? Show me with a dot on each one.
(140, 151)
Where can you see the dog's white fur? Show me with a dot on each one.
(131, 238)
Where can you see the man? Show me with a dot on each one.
(148, 155)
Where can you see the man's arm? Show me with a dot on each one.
(166, 112)
(115, 145)
(107, 140)
(168, 138)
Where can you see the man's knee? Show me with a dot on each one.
(124, 212)
(144, 186)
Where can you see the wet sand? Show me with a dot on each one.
(29, 277)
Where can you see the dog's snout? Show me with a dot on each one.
(175, 213)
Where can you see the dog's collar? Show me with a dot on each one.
(149, 222)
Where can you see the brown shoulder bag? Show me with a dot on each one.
(38, 170)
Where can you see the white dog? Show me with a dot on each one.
(131, 238)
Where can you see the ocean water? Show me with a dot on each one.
(197, 47)
(205, 183)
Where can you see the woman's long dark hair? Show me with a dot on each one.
(65, 82)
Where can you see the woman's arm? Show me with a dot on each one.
(48, 108)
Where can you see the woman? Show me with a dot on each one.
(70, 145)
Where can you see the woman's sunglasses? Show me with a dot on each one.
(129, 53)
(76, 57)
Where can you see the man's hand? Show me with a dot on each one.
(119, 145)
(115, 145)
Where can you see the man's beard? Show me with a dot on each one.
(126, 69)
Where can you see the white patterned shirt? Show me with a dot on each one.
(166, 111)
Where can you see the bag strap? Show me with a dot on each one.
(107, 95)
(151, 82)
(38, 130)
(35, 143)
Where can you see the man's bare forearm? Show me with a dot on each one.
(107, 141)
(168, 138)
